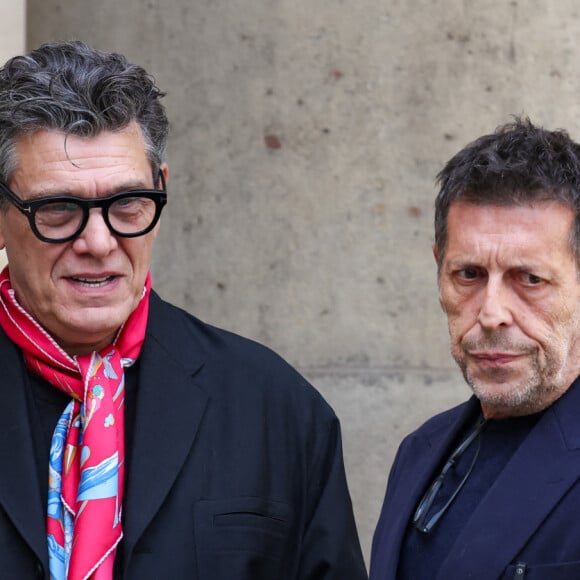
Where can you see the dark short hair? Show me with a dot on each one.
(76, 89)
(518, 164)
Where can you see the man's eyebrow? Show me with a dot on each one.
(460, 263)
(528, 265)
(73, 192)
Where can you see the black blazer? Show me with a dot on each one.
(235, 471)
(530, 515)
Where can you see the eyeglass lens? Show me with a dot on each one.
(128, 215)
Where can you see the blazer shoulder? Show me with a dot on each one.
(229, 360)
(446, 420)
(177, 329)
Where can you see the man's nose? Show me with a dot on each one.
(496, 305)
(96, 237)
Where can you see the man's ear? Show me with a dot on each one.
(2, 218)
(165, 170)
(436, 254)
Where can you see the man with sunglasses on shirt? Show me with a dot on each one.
(137, 442)
(491, 489)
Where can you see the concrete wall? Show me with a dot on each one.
(306, 137)
(12, 41)
(12, 27)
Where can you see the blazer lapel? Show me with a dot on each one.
(424, 452)
(170, 406)
(19, 491)
(545, 466)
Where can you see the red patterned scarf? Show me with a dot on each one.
(87, 456)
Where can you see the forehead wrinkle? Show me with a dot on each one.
(507, 228)
(505, 255)
(67, 188)
(107, 163)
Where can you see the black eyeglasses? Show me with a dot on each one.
(61, 218)
(420, 520)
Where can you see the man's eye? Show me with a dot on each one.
(468, 273)
(531, 279)
(58, 207)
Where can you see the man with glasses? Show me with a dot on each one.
(136, 441)
(491, 489)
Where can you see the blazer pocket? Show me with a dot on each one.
(559, 571)
(241, 538)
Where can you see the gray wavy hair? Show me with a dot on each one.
(76, 89)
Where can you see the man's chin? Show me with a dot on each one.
(509, 399)
(93, 327)
(501, 390)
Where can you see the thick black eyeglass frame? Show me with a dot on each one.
(426, 503)
(29, 208)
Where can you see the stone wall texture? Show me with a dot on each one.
(12, 41)
(306, 139)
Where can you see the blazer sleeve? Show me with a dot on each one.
(331, 548)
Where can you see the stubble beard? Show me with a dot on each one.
(520, 396)
(522, 393)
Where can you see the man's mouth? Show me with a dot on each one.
(92, 282)
(496, 358)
